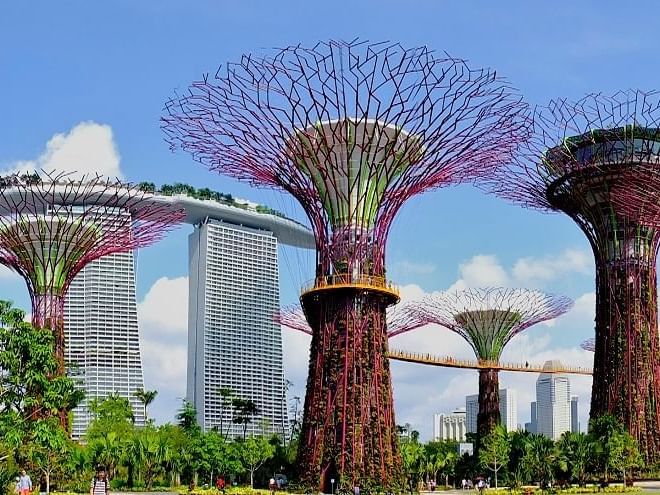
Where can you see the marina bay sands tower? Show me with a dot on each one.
(233, 341)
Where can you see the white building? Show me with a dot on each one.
(450, 426)
(508, 410)
(102, 341)
(233, 340)
(553, 402)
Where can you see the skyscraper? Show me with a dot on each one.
(508, 410)
(102, 341)
(553, 402)
(450, 426)
(533, 422)
(575, 421)
(233, 340)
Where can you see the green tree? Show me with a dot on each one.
(253, 452)
(146, 397)
(245, 410)
(412, 453)
(107, 450)
(623, 453)
(153, 450)
(226, 396)
(494, 451)
(540, 459)
(602, 429)
(223, 457)
(48, 450)
(577, 453)
(516, 467)
(111, 414)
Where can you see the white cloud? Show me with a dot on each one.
(87, 148)
(406, 267)
(534, 271)
(165, 306)
(485, 270)
(163, 323)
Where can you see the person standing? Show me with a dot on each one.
(24, 483)
(100, 485)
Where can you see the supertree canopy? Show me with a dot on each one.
(351, 130)
(488, 319)
(400, 319)
(589, 345)
(51, 226)
(581, 159)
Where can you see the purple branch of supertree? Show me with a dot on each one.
(489, 318)
(590, 135)
(589, 345)
(418, 120)
(52, 225)
(399, 319)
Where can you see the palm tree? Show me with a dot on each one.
(146, 397)
(107, 451)
(226, 396)
(245, 410)
(577, 452)
(540, 458)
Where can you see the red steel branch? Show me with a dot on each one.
(399, 320)
(596, 160)
(488, 319)
(351, 130)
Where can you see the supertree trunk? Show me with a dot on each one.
(626, 365)
(489, 402)
(348, 433)
(48, 312)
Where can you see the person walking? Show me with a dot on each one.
(24, 483)
(100, 485)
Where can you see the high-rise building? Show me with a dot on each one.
(532, 426)
(575, 421)
(553, 402)
(508, 410)
(102, 341)
(450, 426)
(233, 340)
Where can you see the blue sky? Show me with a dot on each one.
(96, 75)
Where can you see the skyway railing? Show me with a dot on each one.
(347, 280)
(451, 362)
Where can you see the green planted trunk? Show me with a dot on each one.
(348, 432)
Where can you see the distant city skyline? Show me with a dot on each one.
(508, 410)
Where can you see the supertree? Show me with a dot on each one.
(351, 130)
(589, 345)
(581, 158)
(488, 319)
(52, 225)
(399, 319)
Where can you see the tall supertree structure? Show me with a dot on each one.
(488, 319)
(351, 130)
(399, 319)
(580, 159)
(51, 226)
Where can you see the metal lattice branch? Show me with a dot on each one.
(351, 130)
(570, 138)
(489, 318)
(399, 320)
(589, 345)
